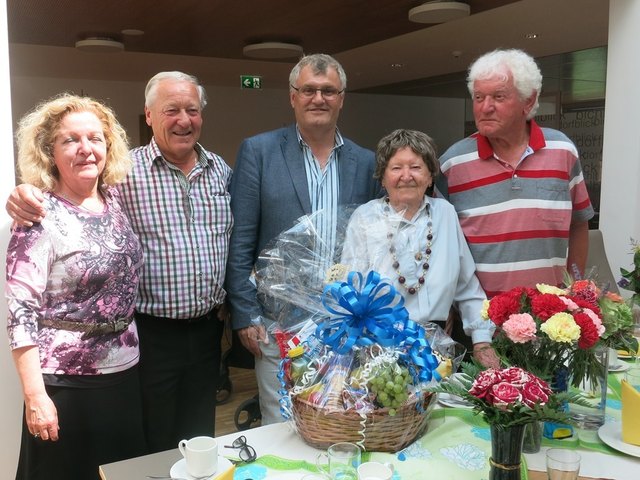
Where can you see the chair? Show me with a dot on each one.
(597, 263)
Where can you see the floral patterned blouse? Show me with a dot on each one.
(75, 267)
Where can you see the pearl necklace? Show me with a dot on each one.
(426, 255)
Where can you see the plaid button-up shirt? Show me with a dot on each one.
(184, 224)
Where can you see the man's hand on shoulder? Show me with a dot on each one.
(25, 205)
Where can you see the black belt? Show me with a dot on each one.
(90, 329)
(213, 311)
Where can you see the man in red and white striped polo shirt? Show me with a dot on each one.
(518, 188)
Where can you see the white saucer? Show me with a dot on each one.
(453, 401)
(611, 434)
(619, 367)
(179, 469)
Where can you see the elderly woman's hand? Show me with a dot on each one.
(486, 355)
(42, 417)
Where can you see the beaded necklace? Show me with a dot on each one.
(420, 255)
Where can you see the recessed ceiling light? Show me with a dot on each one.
(531, 36)
(132, 32)
(272, 50)
(438, 11)
(397, 65)
(99, 45)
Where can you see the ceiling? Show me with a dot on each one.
(381, 50)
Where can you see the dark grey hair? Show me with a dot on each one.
(420, 143)
(319, 63)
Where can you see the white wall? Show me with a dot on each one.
(233, 114)
(620, 194)
(11, 396)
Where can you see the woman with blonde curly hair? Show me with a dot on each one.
(71, 287)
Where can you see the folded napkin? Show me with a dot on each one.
(630, 414)
(625, 353)
(227, 474)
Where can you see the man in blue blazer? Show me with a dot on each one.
(278, 177)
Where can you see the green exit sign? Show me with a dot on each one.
(250, 81)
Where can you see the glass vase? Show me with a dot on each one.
(532, 437)
(506, 450)
(594, 390)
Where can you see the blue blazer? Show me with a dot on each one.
(269, 192)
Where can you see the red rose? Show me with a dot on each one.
(483, 382)
(588, 331)
(505, 394)
(534, 392)
(515, 376)
(546, 305)
(502, 306)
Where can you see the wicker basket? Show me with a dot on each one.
(382, 433)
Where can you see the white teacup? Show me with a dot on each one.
(375, 471)
(200, 454)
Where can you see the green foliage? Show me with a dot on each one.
(631, 278)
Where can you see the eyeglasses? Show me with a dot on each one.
(247, 452)
(328, 93)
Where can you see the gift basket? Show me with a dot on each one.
(355, 368)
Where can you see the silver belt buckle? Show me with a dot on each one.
(119, 325)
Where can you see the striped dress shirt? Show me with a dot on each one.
(324, 190)
(184, 224)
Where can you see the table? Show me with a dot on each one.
(270, 441)
(282, 454)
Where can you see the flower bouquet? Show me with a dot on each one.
(355, 367)
(616, 315)
(546, 328)
(508, 399)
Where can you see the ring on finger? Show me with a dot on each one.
(37, 434)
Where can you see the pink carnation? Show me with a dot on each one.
(571, 305)
(597, 321)
(520, 328)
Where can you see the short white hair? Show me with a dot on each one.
(152, 86)
(524, 70)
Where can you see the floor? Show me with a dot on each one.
(243, 388)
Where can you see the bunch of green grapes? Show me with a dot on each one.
(390, 385)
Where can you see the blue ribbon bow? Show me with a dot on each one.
(373, 312)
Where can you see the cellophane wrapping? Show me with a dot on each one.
(355, 349)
